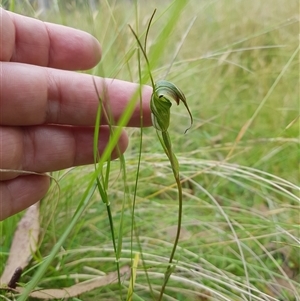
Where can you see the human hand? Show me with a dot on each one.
(47, 111)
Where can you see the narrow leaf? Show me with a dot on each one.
(79, 288)
(24, 244)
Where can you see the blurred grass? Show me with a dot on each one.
(247, 201)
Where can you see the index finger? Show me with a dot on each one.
(31, 41)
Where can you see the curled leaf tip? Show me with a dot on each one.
(164, 92)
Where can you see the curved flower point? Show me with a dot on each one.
(164, 93)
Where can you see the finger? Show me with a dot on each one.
(32, 41)
(49, 148)
(20, 193)
(31, 95)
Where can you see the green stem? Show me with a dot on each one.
(179, 219)
(167, 146)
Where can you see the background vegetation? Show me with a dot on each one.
(239, 69)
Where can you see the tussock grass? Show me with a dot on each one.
(240, 233)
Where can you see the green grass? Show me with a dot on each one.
(240, 232)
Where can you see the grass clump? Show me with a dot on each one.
(238, 67)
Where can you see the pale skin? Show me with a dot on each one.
(47, 110)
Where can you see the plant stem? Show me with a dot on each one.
(167, 146)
